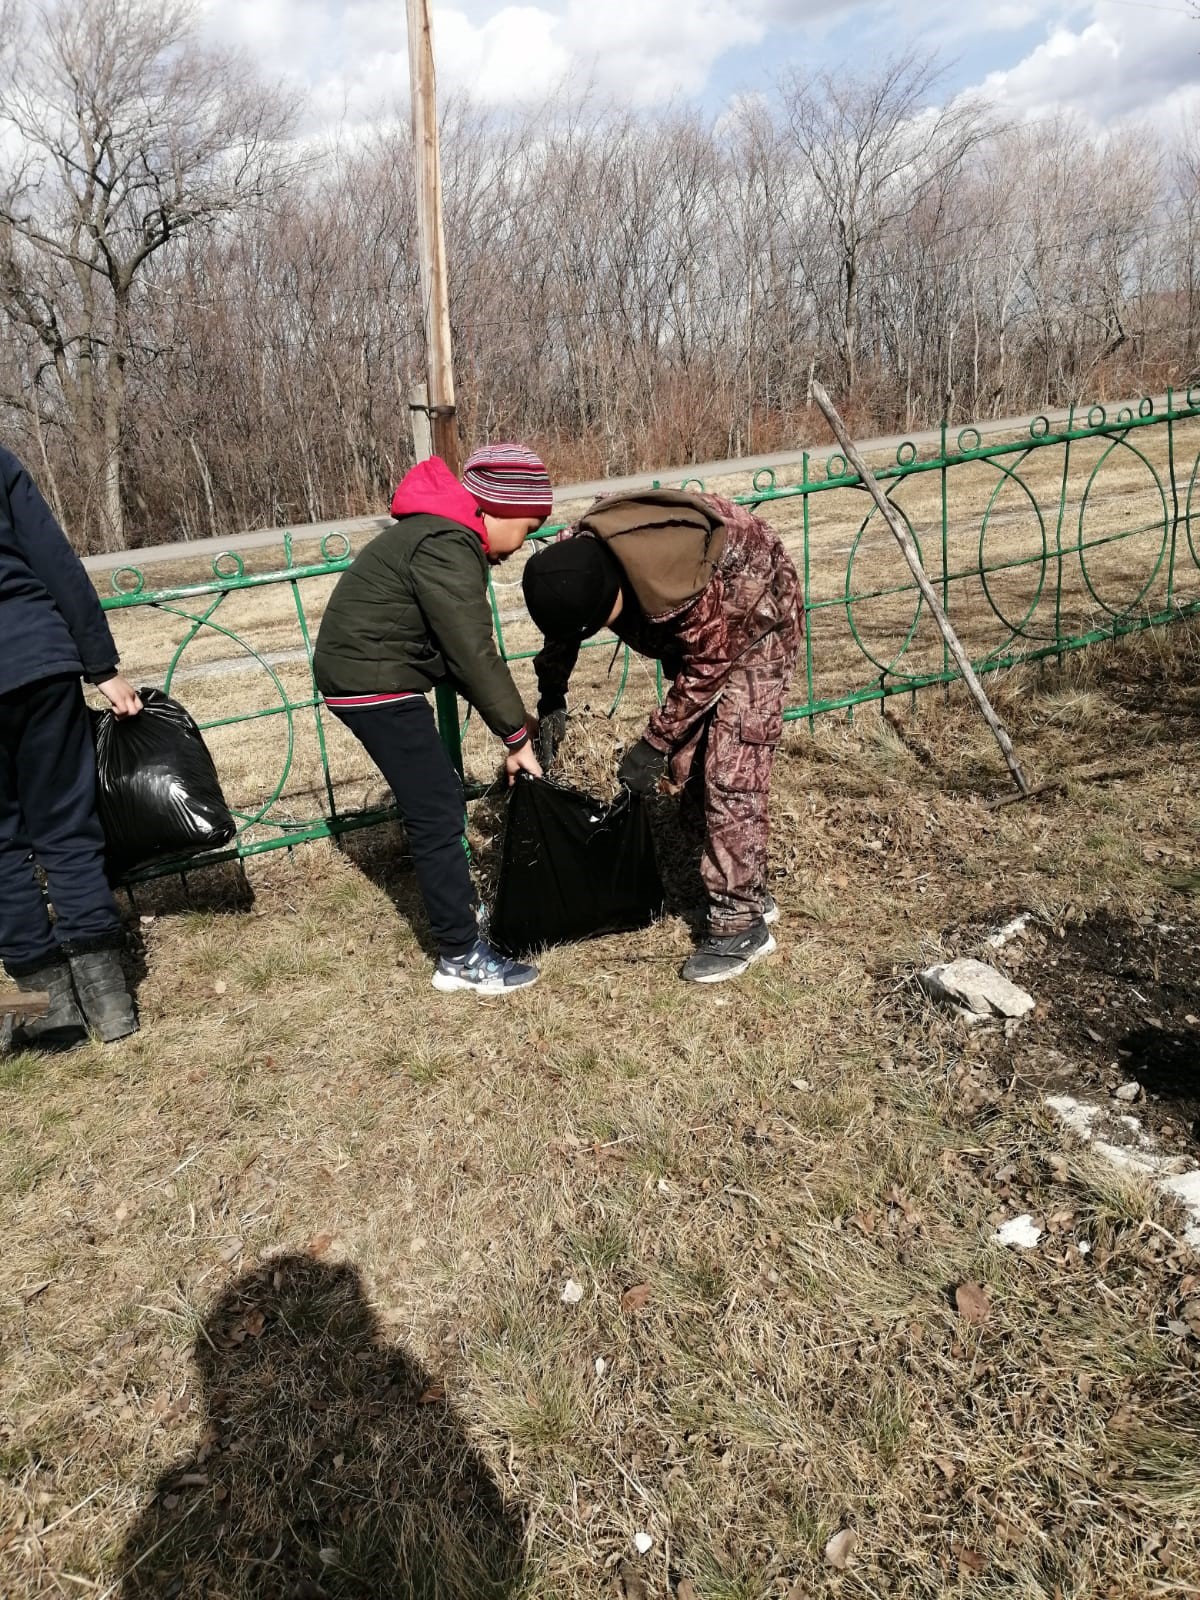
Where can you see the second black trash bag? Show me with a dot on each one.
(158, 793)
(572, 867)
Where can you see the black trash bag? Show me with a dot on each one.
(158, 793)
(572, 867)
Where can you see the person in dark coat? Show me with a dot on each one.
(53, 632)
(409, 613)
(708, 589)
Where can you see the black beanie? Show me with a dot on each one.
(571, 587)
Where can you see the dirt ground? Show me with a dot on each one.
(327, 1286)
(1120, 1001)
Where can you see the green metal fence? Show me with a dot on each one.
(1040, 545)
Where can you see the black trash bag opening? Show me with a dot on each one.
(572, 867)
(157, 789)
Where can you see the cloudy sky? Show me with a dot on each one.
(1109, 60)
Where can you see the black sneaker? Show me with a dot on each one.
(483, 971)
(720, 959)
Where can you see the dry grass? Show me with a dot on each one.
(799, 1169)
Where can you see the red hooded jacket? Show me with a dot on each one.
(431, 489)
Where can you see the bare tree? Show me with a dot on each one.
(129, 133)
(873, 148)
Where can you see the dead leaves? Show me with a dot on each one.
(1184, 1320)
(630, 1583)
(840, 1548)
(973, 1302)
(635, 1299)
(970, 1560)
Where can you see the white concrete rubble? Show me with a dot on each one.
(976, 988)
(1022, 1231)
(1174, 1175)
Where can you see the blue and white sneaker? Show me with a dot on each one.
(482, 971)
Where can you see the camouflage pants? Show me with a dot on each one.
(725, 769)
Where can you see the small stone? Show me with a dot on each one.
(643, 1543)
(572, 1293)
(977, 988)
(1129, 1092)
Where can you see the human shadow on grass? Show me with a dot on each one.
(330, 1464)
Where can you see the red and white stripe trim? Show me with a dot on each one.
(363, 702)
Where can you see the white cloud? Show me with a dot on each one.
(1123, 62)
(648, 52)
(352, 57)
(1106, 59)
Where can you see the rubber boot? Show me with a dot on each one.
(63, 1027)
(104, 994)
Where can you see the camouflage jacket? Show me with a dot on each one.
(754, 591)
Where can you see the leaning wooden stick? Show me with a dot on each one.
(905, 541)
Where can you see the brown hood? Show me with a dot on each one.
(668, 542)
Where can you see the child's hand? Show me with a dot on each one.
(522, 760)
(121, 696)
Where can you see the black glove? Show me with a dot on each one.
(552, 730)
(642, 767)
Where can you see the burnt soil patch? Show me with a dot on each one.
(1118, 1002)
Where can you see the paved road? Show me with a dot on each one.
(707, 470)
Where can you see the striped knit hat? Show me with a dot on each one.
(509, 481)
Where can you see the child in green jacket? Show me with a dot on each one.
(409, 613)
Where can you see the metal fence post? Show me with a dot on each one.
(446, 702)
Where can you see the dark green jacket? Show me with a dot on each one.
(412, 611)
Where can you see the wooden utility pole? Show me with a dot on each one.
(431, 234)
(435, 294)
(905, 541)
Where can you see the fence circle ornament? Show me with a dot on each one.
(1040, 427)
(968, 434)
(128, 580)
(696, 484)
(1193, 397)
(1146, 406)
(1189, 516)
(1097, 417)
(1160, 527)
(906, 453)
(1039, 561)
(235, 569)
(887, 668)
(328, 550)
(204, 621)
(835, 467)
(763, 480)
(1125, 414)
